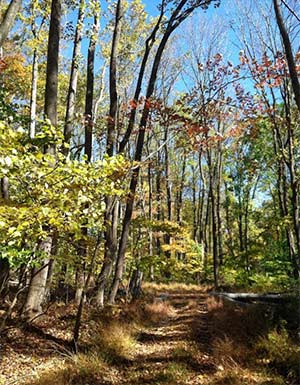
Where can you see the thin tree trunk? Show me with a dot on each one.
(148, 46)
(294, 184)
(109, 258)
(214, 220)
(218, 206)
(179, 200)
(33, 96)
(71, 98)
(112, 209)
(169, 193)
(150, 205)
(113, 93)
(80, 276)
(88, 147)
(37, 287)
(175, 20)
(289, 53)
(89, 98)
(51, 90)
(77, 325)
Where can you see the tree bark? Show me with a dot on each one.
(112, 207)
(177, 16)
(90, 90)
(33, 96)
(71, 98)
(88, 147)
(51, 89)
(214, 219)
(9, 19)
(289, 53)
(37, 288)
(113, 93)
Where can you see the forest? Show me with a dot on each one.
(149, 166)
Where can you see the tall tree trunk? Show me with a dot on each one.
(113, 92)
(218, 205)
(158, 201)
(168, 193)
(214, 219)
(175, 20)
(294, 185)
(150, 214)
(112, 207)
(88, 147)
(33, 96)
(51, 90)
(179, 200)
(289, 53)
(5, 26)
(37, 287)
(9, 19)
(148, 46)
(89, 97)
(71, 98)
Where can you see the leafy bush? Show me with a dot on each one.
(281, 353)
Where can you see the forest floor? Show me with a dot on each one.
(171, 341)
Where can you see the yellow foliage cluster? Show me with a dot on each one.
(15, 76)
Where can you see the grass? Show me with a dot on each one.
(173, 287)
(280, 353)
(241, 376)
(79, 369)
(248, 348)
(173, 373)
(242, 348)
(157, 311)
(116, 342)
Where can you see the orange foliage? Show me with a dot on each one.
(3, 65)
(15, 75)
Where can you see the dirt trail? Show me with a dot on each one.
(176, 351)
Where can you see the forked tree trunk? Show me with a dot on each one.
(176, 18)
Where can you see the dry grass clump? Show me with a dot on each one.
(243, 324)
(79, 369)
(241, 376)
(157, 311)
(116, 342)
(246, 348)
(214, 303)
(173, 287)
(229, 353)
